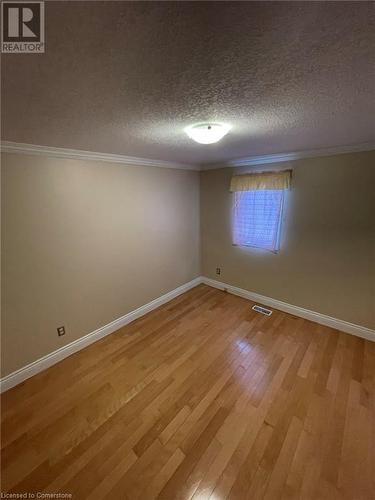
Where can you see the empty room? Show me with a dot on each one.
(188, 250)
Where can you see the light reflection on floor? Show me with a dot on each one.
(244, 345)
(204, 496)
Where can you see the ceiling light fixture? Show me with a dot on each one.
(207, 133)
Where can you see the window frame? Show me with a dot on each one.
(279, 225)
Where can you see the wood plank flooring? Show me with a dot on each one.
(201, 399)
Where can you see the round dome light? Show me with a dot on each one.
(207, 133)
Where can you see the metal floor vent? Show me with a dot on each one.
(262, 310)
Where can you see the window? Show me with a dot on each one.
(258, 206)
(257, 216)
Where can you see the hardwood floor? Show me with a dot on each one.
(201, 399)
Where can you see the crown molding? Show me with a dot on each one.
(77, 154)
(296, 155)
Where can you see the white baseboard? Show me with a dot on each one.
(41, 364)
(54, 357)
(338, 324)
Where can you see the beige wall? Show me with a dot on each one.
(327, 257)
(83, 243)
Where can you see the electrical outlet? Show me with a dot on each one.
(218, 270)
(61, 331)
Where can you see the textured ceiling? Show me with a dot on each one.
(127, 77)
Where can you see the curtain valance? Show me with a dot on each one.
(261, 180)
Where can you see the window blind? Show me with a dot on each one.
(258, 206)
(257, 217)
